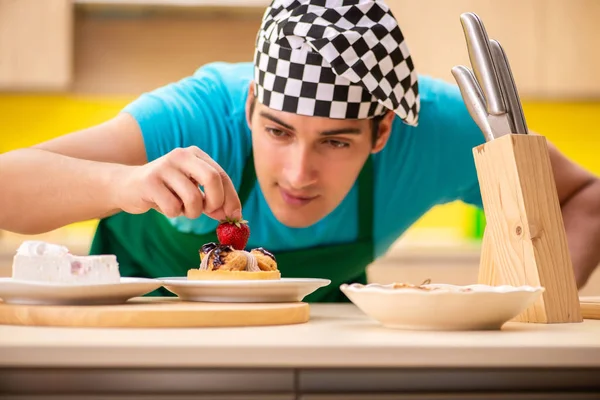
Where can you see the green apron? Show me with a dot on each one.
(147, 245)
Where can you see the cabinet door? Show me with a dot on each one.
(571, 54)
(435, 37)
(35, 44)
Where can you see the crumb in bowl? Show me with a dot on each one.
(424, 286)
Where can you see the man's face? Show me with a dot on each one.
(306, 165)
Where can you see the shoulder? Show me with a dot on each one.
(426, 165)
(438, 151)
(203, 109)
(227, 81)
(214, 89)
(441, 104)
(444, 139)
(448, 134)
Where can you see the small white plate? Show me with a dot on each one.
(282, 290)
(14, 291)
(479, 307)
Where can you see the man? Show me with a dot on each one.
(328, 142)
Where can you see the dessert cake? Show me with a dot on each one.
(46, 262)
(223, 262)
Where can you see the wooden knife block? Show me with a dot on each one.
(524, 241)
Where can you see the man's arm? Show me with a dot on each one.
(99, 171)
(66, 179)
(579, 196)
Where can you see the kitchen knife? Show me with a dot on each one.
(473, 98)
(509, 88)
(480, 54)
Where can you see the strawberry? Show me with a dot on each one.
(233, 232)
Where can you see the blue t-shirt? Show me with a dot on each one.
(420, 167)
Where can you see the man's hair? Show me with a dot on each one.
(375, 121)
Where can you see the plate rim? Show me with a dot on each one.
(183, 281)
(124, 280)
(477, 289)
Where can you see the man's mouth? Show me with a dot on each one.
(296, 198)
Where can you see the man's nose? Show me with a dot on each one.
(301, 170)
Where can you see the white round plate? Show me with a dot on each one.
(453, 308)
(283, 290)
(14, 291)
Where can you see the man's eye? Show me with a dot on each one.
(276, 132)
(337, 144)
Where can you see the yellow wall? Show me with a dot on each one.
(28, 119)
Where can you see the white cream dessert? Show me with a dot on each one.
(46, 262)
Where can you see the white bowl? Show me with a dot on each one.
(449, 308)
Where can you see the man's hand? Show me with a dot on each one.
(170, 185)
(102, 170)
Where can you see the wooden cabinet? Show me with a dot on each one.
(551, 45)
(62, 44)
(35, 44)
(435, 36)
(570, 62)
(130, 55)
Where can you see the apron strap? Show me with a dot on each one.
(248, 179)
(366, 207)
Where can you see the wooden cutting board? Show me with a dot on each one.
(151, 312)
(590, 307)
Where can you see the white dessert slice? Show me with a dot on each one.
(46, 262)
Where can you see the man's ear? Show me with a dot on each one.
(249, 101)
(384, 131)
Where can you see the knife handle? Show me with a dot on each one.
(473, 98)
(482, 62)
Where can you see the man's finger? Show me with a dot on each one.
(186, 190)
(166, 201)
(207, 176)
(231, 206)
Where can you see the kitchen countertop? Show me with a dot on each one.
(337, 335)
(338, 352)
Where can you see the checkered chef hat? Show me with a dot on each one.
(336, 59)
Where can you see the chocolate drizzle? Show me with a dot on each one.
(208, 247)
(266, 253)
(218, 251)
